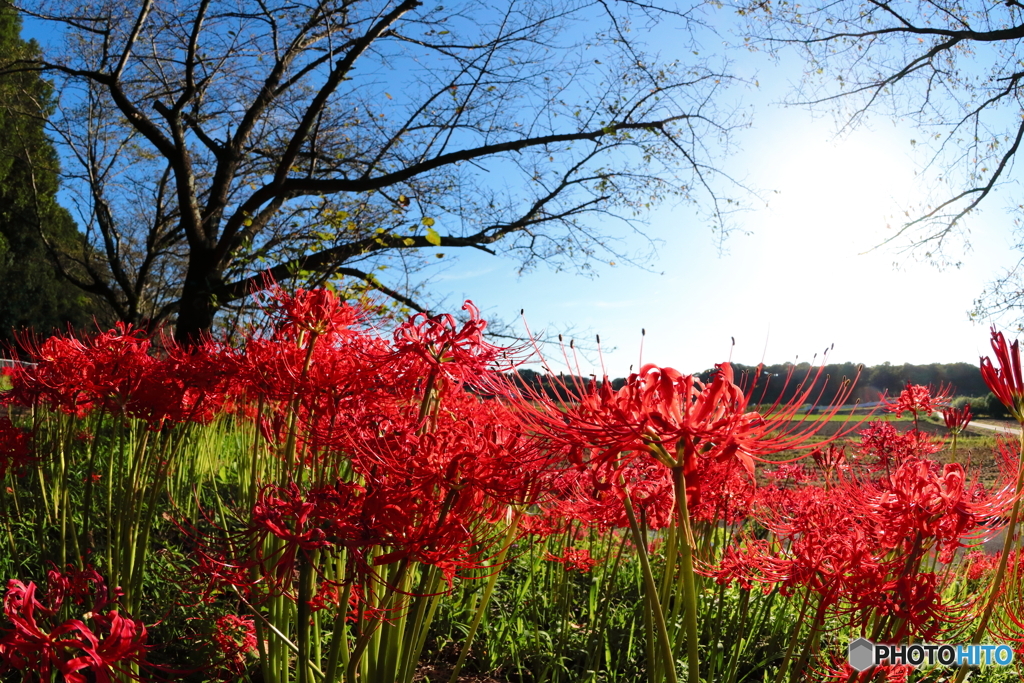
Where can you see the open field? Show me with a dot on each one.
(283, 515)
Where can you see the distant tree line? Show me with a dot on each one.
(782, 382)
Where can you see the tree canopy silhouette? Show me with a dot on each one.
(218, 144)
(30, 218)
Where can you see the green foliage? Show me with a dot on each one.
(960, 402)
(35, 296)
(993, 407)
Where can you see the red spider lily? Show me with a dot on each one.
(957, 419)
(1005, 381)
(890, 448)
(818, 545)
(594, 496)
(726, 492)
(676, 419)
(832, 462)
(918, 501)
(473, 447)
(914, 600)
(74, 376)
(317, 311)
(234, 637)
(57, 379)
(918, 400)
(213, 572)
(450, 351)
(194, 384)
(790, 472)
(981, 564)
(744, 564)
(574, 559)
(305, 521)
(15, 447)
(541, 525)
(842, 672)
(33, 645)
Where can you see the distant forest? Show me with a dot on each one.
(781, 382)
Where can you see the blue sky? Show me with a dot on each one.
(804, 278)
(809, 273)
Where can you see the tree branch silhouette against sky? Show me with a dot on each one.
(805, 268)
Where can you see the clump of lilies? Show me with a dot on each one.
(324, 495)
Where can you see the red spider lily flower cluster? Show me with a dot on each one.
(37, 641)
(400, 452)
(15, 447)
(889, 448)
(675, 419)
(419, 449)
(792, 472)
(1005, 381)
(574, 559)
(957, 419)
(461, 351)
(919, 400)
(860, 544)
(117, 373)
(234, 638)
(832, 462)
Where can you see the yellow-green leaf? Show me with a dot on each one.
(433, 237)
(427, 221)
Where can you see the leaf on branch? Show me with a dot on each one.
(433, 237)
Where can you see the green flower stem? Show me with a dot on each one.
(597, 633)
(781, 674)
(427, 598)
(651, 588)
(738, 637)
(689, 582)
(338, 652)
(481, 608)
(393, 640)
(307, 581)
(1008, 544)
(280, 636)
(372, 631)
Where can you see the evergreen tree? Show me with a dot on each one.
(34, 295)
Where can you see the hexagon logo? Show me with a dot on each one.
(862, 654)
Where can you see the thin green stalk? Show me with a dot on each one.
(481, 609)
(689, 584)
(393, 637)
(600, 624)
(651, 588)
(810, 644)
(738, 636)
(280, 636)
(338, 652)
(426, 600)
(795, 637)
(373, 633)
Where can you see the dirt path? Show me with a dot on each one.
(996, 428)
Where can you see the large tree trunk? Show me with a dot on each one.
(197, 306)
